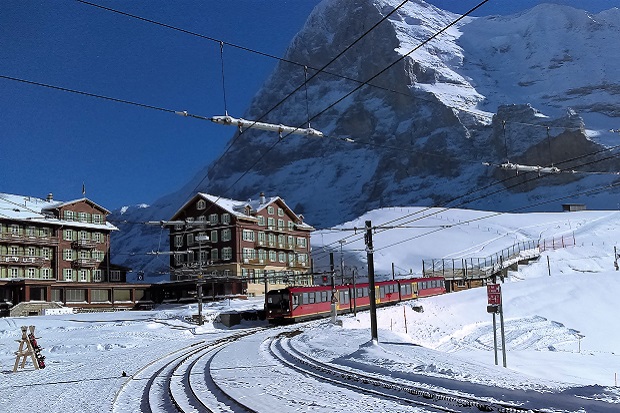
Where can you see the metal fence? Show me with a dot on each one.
(476, 268)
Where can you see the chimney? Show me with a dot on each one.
(262, 198)
(50, 197)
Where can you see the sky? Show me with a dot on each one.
(562, 335)
(60, 142)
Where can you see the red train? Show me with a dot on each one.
(293, 304)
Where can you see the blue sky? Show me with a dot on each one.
(54, 141)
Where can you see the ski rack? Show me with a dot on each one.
(28, 347)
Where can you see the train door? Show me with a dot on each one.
(378, 294)
(343, 300)
(415, 289)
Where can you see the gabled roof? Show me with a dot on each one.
(88, 201)
(32, 209)
(238, 208)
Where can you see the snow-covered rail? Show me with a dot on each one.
(179, 382)
(280, 347)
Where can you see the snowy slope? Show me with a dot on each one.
(424, 126)
(562, 334)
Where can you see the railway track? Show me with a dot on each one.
(406, 393)
(180, 382)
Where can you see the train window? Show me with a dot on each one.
(360, 292)
(405, 289)
(304, 298)
(324, 296)
(391, 288)
(311, 298)
(344, 297)
(382, 291)
(296, 299)
(365, 292)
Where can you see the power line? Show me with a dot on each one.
(446, 208)
(80, 92)
(225, 43)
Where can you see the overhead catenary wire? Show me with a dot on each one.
(270, 148)
(147, 105)
(439, 209)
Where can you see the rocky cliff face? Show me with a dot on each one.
(423, 127)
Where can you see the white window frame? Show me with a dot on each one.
(67, 274)
(248, 235)
(227, 253)
(226, 235)
(226, 218)
(46, 273)
(97, 275)
(201, 204)
(67, 255)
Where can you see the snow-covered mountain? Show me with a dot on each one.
(538, 88)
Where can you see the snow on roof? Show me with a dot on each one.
(238, 208)
(61, 204)
(32, 209)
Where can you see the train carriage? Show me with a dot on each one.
(428, 287)
(305, 303)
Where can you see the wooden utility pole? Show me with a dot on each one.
(371, 282)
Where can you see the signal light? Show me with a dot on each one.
(325, 279)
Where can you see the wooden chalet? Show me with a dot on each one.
(262, 244)
(58, 253)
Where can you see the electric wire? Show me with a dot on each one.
(379, 228)
(153, 107)
(94, 95)
(243, 48)
(270, 148)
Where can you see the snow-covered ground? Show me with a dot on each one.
(562, 330)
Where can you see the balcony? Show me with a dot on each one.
(23, 260)
(85, 263)
(84, 244)
(28, 239)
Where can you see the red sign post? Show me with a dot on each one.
(494, 299)
(494, 294)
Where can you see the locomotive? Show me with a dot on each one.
(292, 304)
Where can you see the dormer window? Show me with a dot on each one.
(201, 204)
(280, 212)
